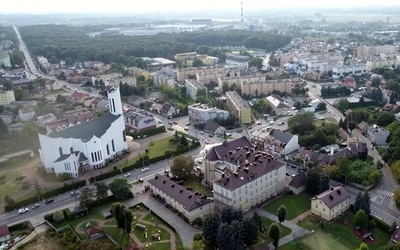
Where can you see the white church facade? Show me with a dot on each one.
(88, 145)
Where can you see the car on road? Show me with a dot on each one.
(202, 132)
(145, 169)
(166, 171)
(170, 123)
(141, 180)
(281, 123)
(188, 123)
(73, 193)
(207, 142)
(36, 206)
(210, 135)
(159, 122)
(239, 131)
(186, 128)
(23, 210)
(47, 201)
(127, 175)
(175, 122)
(259, 123)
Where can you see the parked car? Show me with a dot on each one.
(166, 171)
(170, 123)
(145, 169)
(175, 122)
(239, 131)
(36, 206)
(186, 128)
(202, 132)
(210, 135)
(127, 175)
(141, 180)
(23, 210)
(207, 142)
(73, 193)
(188, 123)
(47, 201)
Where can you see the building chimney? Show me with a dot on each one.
(332, 151)
(331, 197)
(173, 185)
(190, 196)
(339, 192)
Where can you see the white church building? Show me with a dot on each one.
(88, 145)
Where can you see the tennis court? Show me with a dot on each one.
(322, 241)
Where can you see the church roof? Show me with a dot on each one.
(85, 131)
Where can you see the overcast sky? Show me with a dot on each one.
(35, 6)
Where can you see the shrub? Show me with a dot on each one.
(58, 216)
(68, 214)
(381, 224)
(198, 222)
(63, 177)
(49, 217)
(197, 236)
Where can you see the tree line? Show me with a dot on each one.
(73, 44)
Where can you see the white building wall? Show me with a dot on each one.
(292, 145)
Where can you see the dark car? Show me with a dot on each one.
(47, 201)
(239, 131)
(211, 135)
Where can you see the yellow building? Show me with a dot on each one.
(238, 107)
(266, 87)
(134, 71)
(331, 203)
(6, 97)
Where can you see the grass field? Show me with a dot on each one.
(320, 123)
(344, 233)
(295, 205)
(150, 230)
(157, 148)
(117, 235)
(322, 241)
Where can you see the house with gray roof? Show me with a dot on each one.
(280, 143)
(214, 128)
(139, 123)
(298, 183)
(191, 204)
(331, 203)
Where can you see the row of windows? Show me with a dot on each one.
(97, 156)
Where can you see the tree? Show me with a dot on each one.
(128, 219)
(229, 214)
(256, 62)
(7, 85)
(363, 246)
(358, 202)
(120, 188)
(197, 63)
(323, 183)
(37, 188)
(225, 87)
(198, 245)
(249, 231)
(183, 167)
(8, 200)
(360, 219)
(183, 141)
(321, 106)
(281, 213)
(101, 190)
(210, 229)
(393, 228)
(85, 199)
(301, 123)
(229, 237)
(58, 216)
(61, 99)
(343, 104)
(385, 118)
(117, 210)
(316, 182)
(351, 125)
(274, 233)
(366, 204)
(256, 219)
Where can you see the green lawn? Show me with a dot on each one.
(178, 242)
(320, 123)
(150, 217)
(197, 187)
(150, 230)
(161, 246)
(117, 235)
(344, 233)
(157, 148)
(295, 205)
(263, 239)
(294, 245)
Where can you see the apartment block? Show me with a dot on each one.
(192, 86)
(237, 79)
(266, 87)
(380, 63)
(182, 74)
(367, 52)
(355, 69)
(238, 107)
(6, 97)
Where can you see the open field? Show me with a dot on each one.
(295, 205)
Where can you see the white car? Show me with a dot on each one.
(207, 142)
(145, 169)
(23, 210)
(127, 175)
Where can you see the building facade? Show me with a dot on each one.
(381, 63)
(331, 203)
(6, 97)
(86, 146)
(267, 87)
(192, 86)
(378, 135)
(238, 107)
(202, 113)
(182, 74)
(355, 69)
(280, 143)
(139, 123)
(278, 105)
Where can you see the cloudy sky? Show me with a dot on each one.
(35, 6)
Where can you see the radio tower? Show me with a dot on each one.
(241, 10)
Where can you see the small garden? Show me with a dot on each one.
(295, 205)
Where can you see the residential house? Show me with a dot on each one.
(191, 204)
(298, 183)
(78, 116)
(280, 143)
(390, 107)
(44, 119)
(238, 107)
(348, 113)
(99, 104)
(251, 178)
(363, 127)
(216, 160)
(139, 123)
(5, 234)
(331, 203)
(27, 114)
(378, 135)
(343, 135)
(168, 110)
(202, 113)
(279, 106)
(53, 85)
(6, 97)
(214, 129)
(136, 100)
(7, 118)
(58, 125)
(78, 96)
(16, 127)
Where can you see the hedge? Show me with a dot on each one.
(68, 214)
(381, 224)
(150, 132)
(140, 164)
(104, 176)
(18, 226)
(49, 217)
(187, 136)
(45, 195)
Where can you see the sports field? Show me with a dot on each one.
(322, 241)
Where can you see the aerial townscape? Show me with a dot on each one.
(229, 126)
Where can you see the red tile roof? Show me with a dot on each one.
(4, 230)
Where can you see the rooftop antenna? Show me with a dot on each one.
(241, 11)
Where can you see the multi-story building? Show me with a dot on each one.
(380, 63)
(207, 77)
(86, 146)
(253, 177)
(139, 123)
(321, 86)
(279, 105)
(266, 87)
(237, 79)
(202, 113)
(378, 135)
(191, 204)
(164, 76)
(189, 57)
(236, 61)
(367, 52)
(27, 114)
(134, 71)
(6, 97)
(331, 203)
(355, 69)
(280, 143)
(192, 86)
(238, 107)
(182, 74)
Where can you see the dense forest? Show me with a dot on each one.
(8, 33)
(72, 43)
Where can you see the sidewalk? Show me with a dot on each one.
(297, 231)
(301, 217)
